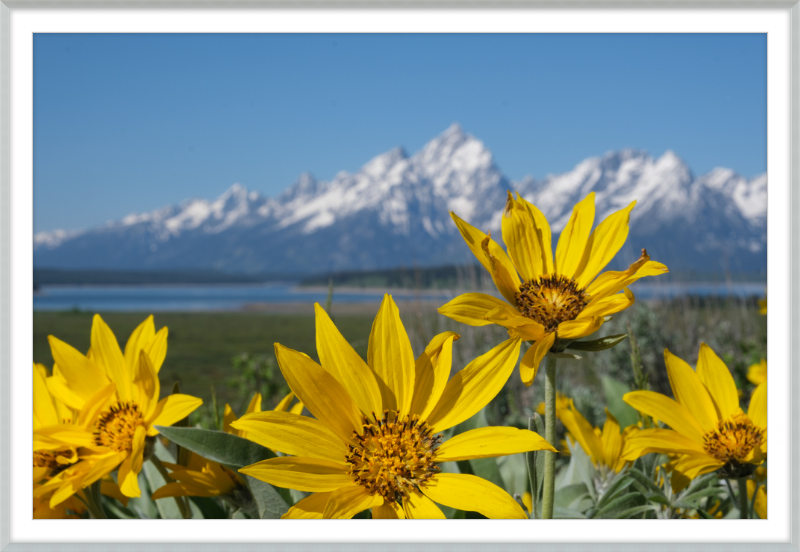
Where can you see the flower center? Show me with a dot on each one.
(53, 459)
(733, 439)
(117, 425)
(393, 456)
(551, 300)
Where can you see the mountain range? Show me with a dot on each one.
(395, 212)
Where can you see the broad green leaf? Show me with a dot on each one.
(143, 505)
(270, 503)
(625, 414)
(570, 496)
(218, 446)
(167, 507)
(598, 344)
(566, 513)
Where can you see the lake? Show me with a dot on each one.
(231, 297)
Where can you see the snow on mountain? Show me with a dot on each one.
(395, 211)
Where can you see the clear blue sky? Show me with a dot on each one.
(128, 123)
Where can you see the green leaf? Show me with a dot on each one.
(270, 503)
(143, 505)
(571, 495)
(566, 513)
(167, 507)
(565, 355)
(209, 507)
(647, 482)
(230, 450)
(614, 507)
(620, 483)
(691, 501)
(598, 344)
(626, 514)
(625, 414)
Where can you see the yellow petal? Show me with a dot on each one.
(297, 409)
(473, 387)
(690, 466)
(583, 432)
(83, 377)
(757, 411)
(255, 404)
(580, 327)
(486, 442)
(391, 358)
(529, 365)
(44, 410)
(609, 283)
(146, 384)
(543, 231)
(419, 506)
(668, 411)
(608, 305)
(606, 240)
(107, 354)
(472, 308)
(182, 489)
(96, 404)
(388, 510)
(472, 494)
(110, 488)
(757, 373)
(503, 273)
(523, 240)
(475, 240)
(283, 406)
(612, 441)
(129, 480)
(319, 391)
(311, 507)
(228, 417)
(573, 239)
(431, 372)
(346, 502)
(690, 392)
(137, 451)
(666, 441)
(173, 409)
(719, 382)
(157, 349)
(292, 434)
(139, 339)
(340, 359)
(300, 473)
(57, 436)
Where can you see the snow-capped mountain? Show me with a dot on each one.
(395, 212)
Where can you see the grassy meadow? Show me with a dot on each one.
(233, 351)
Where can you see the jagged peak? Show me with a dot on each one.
(382, 163)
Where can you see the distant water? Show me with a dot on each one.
(237, 296)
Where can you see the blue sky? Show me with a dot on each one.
(128, 123)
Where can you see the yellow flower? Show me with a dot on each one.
(116, 396)
(757, 373)
(603, 447)
(201, 477)
(762, 306)
(547, 297)
(372, 442)
(709, 429)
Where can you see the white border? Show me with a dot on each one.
(775, 23)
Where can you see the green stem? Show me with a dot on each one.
(530, 459)
(743, 503)
(549, 483)
(93, 501)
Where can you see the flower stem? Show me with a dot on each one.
(549, 482)
(93, 501)
(743, 503)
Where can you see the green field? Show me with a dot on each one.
(202, 348)
(200, 345)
